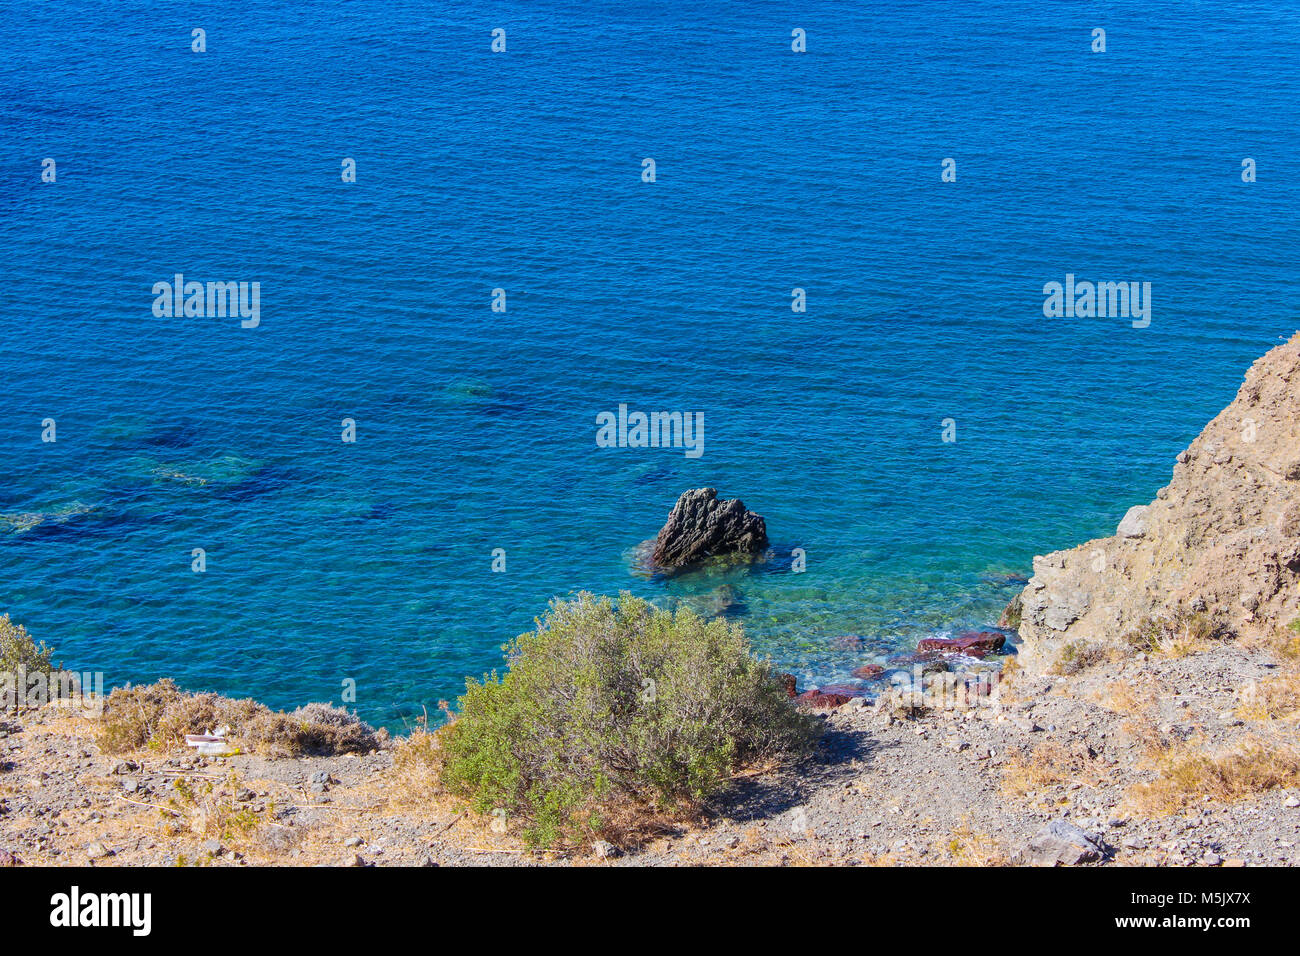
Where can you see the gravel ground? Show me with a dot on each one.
(884, 787)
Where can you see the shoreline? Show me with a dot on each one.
(1147, 718)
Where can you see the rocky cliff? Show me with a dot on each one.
(1221, 540)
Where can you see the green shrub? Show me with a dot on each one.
(610, 710)
(1078, 655)
(17, 649)
(19, 652)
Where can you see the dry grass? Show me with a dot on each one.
(1119, 697)
(1277, 697)
(1077, 656)
(1179, 635)
(1282, 643)
(414, 778)
(1143, 733)
(967, 846)
(158, 716)
(1188, 775)
(1050, 764)
(1274, 698)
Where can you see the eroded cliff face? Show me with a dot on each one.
(1223, 537)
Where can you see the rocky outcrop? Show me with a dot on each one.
(1221, 539)
(703, 526)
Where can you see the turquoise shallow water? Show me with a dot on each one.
(522, 170)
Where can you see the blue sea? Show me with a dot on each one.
(774, 170)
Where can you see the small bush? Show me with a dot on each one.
(607, 707)
(325, 729)
(211, 811)
(1078, 655)
(159, 716)
(1177, 635)
(17, 649)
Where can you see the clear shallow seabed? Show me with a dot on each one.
(522, 170)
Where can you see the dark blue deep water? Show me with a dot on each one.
(522, 170)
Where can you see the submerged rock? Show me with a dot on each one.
(703, 526)
(930, 662)
(970, 643)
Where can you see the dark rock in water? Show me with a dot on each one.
(816, 700)
(1004, 579)
(970, 643)
(848, 642)
(1062, 844)
(1011, 614)
(723, 601)
(930, 662)
(788, 683)
(702, 526)
(869, 672)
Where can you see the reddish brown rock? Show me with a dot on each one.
(869, 672)
(970, 643)
(788, 684)
(818, 700)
